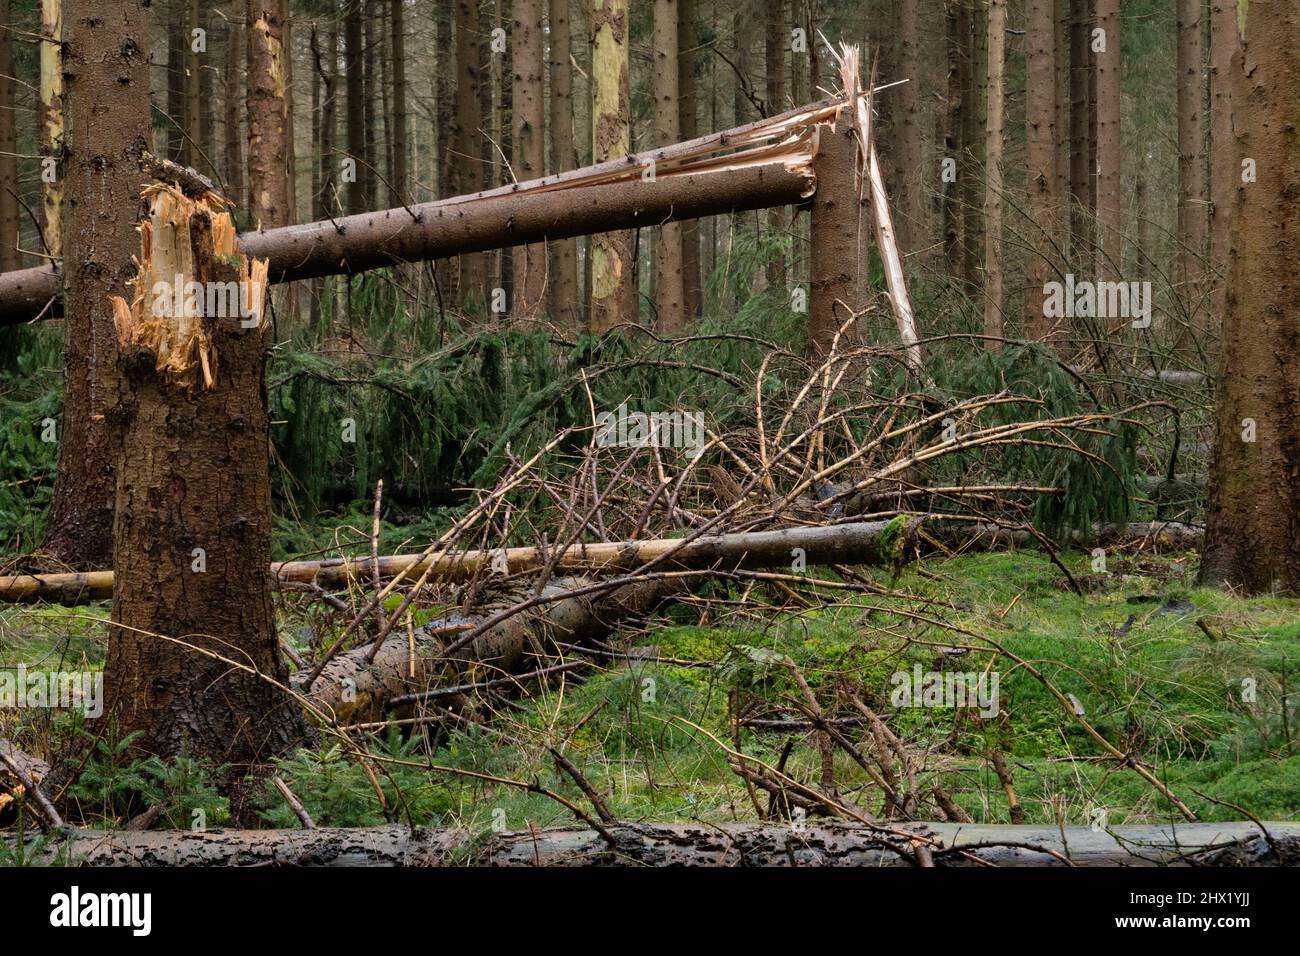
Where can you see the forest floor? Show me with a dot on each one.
(1197, 683)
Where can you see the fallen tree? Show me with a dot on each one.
(693, 844)
(756, 166)
(854, 543)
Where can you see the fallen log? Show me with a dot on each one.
(854, 543)
(689, 844)
(772, 167)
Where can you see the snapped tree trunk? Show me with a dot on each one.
(193, 661)
(106, 73)
(613, 291)
(268, 115)
(837, 287)
(1252, 534)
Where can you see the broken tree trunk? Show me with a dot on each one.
(837, 287)
(192, 651)
(690, 844)
(855, 543)
(750, 167)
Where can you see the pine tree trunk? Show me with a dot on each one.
(370, 111)
(356, 107)
(233, 100)
(1081, 112)
(527, 137)
(1061, 47)
(176, 12)
(465, 174)
(8, 146)
(268, 115)
(52, 123)
(1191, 151)
(106, 76)
(1040, 172)
(193, 662)
(193, 136)
(912, 218)
(1252, 535)
(670, 304)
(775, 42)
(564, 252)
(993, 265)
(1110, 255)
(1225, 164)
(397, 26)
(688, 128)
(974, 122)
(956, 20)
(836, 282)
(613, 290)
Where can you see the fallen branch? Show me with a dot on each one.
(696, 844)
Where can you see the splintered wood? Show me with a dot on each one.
(189, 274)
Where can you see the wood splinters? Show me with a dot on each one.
(189, 274)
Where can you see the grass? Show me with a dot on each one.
(1204, 710)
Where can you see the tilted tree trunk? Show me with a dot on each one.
(9, 191)
(268, 115)
(996, 20)
(1225, 163)
(193, 661)
(1110, 251)
(353, 66)
(52, 124)
(527, 138)
(106, 75)
(690, 844)
(613, 288)
(669, 289)
(688, 128)
(1252, 535)
(1191, 152)
(466, 173)
(1041, 146)
(564, 252)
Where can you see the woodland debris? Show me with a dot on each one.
(694, 844)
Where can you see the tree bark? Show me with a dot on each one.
(177, 11)
(106, 72)
(1191, 152)
(466, 172)
(232, 101)
(565, 312)
(996, 19)
(1082, 207)
(1225, 163)
(613, 290)
(268, 115)
(193, 146)
(52, 123)
(669, 290)
(776, 38)
(1041, 146)
(974, 114)
(1252, 535)
(1110, 252)
(527, 138)
(838, 241)
(689, 844)
(911, 162)
(9, 190)
(688, 128)
(356, 106)
(398, 191)
(192, 541)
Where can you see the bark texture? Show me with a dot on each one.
(1191, 149)
(1252, 536)
(106, 74)
(527, 132)
(670, 292)
(565, 310)
(993, 264)
(613, 281)
(838, 240)
(1041, 145)
(692, 844)
(52, 123)
(8, 146)
(1110, 251)
(466, 173)
(268, 115)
